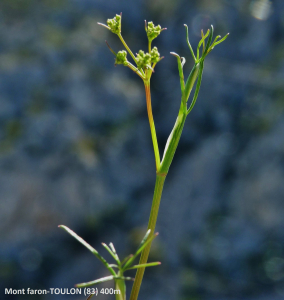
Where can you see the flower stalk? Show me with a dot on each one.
(152, 124)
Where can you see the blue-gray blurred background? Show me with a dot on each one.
(76, 149)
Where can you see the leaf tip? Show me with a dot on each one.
(174, 54)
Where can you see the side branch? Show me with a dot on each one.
(152, 126)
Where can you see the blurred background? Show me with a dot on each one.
(75, 148)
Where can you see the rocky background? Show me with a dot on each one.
(75, 148)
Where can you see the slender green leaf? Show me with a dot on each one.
(103, 279)
(115, 257)
(180, 70)
(203, 37)
(216, 39)
(114, 252)
(190, 81)
(145, 238)
(126, 259)
(153, 264)
(112, 248)
(89, 247)
(222, 40)
(140, 249)
(213, 44)
(197, 88)
(209, 39)
(124, 278)
(203, 43)
(188, 43)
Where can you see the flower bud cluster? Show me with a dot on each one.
(155, 55)
(153, 31)
(143, 60)
(121, 58)
(115, 24)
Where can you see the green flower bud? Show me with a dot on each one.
(115, 24)
(143, 60)
(155, 55)
(121, 58)
(153, 31)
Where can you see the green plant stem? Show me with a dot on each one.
(162, 171)
(152, 125)
(120, 285)
(126, 47)
(160, 179)
(173, 140)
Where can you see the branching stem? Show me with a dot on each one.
(126, 47)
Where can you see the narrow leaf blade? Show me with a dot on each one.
(191, 81)
(103, 279)
(196, 89)
(145, 238)
(153, 264)
(222, 40)
(188, 43)
(114, 252)
(180, 70)
(115, 257)
(209, 39)
(88, 246)
(139, 250)
(126, 259)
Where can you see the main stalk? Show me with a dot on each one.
(160, 179)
